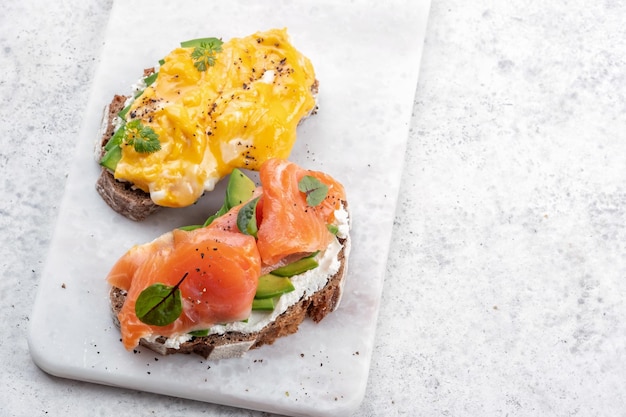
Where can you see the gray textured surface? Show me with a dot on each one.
(507, 276)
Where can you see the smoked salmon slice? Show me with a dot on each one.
(289, 225)
(221, 269)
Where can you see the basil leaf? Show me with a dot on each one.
(246, 218)
(159, 304)
(315, 190)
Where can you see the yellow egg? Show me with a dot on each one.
(237, 113)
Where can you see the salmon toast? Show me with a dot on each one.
(270, 257)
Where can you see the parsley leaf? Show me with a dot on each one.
(204, 54)
(314, 189)
(143, 138)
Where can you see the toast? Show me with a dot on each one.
(174, 144)
(272, 255)
(235, 344)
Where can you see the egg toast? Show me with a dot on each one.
(207, 108)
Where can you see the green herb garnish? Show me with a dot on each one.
(204, 54)
(314, 189)
(159, 304)
(143, 138)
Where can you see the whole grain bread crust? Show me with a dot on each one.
(235, 344)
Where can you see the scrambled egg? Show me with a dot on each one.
(239, 112)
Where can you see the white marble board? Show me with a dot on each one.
(367, 57)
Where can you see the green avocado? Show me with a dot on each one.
(263, 304)
(239, 188)
(272, 285)
(111, 158)
(297, 267)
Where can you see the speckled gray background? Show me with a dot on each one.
(507, 275)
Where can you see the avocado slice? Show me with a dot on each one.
(111, 158)
(239, 188)
(263, 304)
(271, 286)
(192, 43)
(297, 267)
(199, 333)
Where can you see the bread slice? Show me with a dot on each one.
(122, 197)
(235, 344)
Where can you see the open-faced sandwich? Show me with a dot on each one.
(207, 107)
(271, 256)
